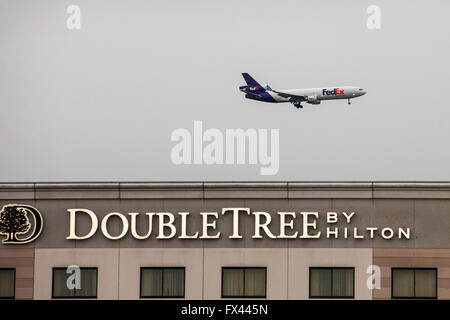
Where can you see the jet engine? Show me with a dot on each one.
(313, 100)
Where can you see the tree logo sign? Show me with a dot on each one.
(16, 226)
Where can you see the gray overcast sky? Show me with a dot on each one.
(99, 104)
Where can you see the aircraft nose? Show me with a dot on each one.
(362, 92)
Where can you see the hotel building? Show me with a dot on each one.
(220, 240)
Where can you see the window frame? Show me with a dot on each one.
(162, 296)
(244, 296)
(74, 296)
(14, 284)
(414, 270)
(332, 297)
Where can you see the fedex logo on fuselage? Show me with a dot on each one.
(333, 92)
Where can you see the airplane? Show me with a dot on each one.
(253, 90)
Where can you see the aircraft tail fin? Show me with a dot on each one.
(250, 81)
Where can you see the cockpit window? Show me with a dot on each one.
(360, 89)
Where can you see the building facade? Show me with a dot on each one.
(219, 240)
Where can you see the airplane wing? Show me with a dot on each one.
(292, 97)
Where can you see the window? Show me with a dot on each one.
(167, 282)
(88, 283)
(248, 282)
(414, 283)
(331, 282)
(7, 283)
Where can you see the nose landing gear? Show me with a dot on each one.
(349, 101)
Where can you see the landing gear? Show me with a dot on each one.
(297, 102)
(349, 101)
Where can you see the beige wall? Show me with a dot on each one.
(119, 269)
(287, 269)
(107, 261)
(131, 260)
(275, 260)
(301, 259)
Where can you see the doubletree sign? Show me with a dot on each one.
(16, 226)
(23, 223)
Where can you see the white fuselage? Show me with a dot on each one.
(327, 93)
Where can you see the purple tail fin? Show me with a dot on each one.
(250, 81)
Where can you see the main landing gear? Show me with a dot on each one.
(298, 105)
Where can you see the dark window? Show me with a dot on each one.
(7, 283)
(248, 282)
(331, 282)
(162, 282)
(418, 283)
(87, 284)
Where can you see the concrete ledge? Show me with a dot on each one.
(175, 190)
(13, 191)
(76, 191)
(245, 190)
(226, 190)
(333, 190)
(411, 190)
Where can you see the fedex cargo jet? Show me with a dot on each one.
(253, 90)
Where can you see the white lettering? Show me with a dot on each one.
(207, 225)
(284, 225)
(307, 225)
(184, 234)
(263, 226)
(164, 225)
(72, 224)
(235, 211)
(134, 225)
(124, 226)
